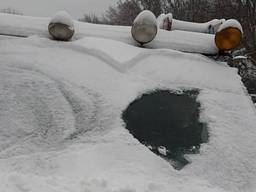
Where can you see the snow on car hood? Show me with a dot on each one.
(61, 127)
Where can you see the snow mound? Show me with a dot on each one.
(146, 17)
(231, 23)
(62, 17)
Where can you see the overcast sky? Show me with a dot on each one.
(48, 7)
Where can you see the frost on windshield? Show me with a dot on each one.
(168, 124)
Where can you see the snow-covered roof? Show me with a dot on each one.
(61, 102)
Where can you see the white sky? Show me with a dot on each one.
(76, 8)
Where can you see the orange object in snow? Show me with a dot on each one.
(228, 38)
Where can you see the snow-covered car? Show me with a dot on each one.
(62, 103)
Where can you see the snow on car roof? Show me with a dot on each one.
(62, 17)
(61, 103)
(178, 40)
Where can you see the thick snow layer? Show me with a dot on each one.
(146, 16)
(178, 40)
(208, 27)
(211, 27)
(60, 106)
(231, 23)
(161, 18)
(62, 17)
(23, 25)
(120, 53)
(185, 41)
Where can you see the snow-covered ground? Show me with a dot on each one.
(61, 127)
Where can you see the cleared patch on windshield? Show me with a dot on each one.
(168, 124)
